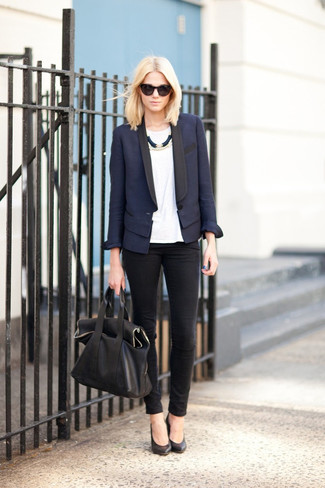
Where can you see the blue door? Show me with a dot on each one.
(113, 35)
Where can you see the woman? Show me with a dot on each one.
(161, 203)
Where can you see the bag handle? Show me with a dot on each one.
(100, 324)
(122, 314)
(109, 299)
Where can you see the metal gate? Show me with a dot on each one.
(57, 144)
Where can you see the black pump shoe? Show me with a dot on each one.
(157, 449)
(178, 447)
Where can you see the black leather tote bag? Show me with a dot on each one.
(115, 355)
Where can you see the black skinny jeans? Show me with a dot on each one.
(181, 266)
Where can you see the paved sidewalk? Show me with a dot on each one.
(260, 424)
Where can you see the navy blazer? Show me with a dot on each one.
(133, 198)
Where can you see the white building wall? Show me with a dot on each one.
(38, 25)
(33, 23)
(271, 177)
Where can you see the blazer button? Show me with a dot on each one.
(179, 207)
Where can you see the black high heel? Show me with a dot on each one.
(178, 447)
(157, 449)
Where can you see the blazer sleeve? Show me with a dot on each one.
(206, 198)
(117, 194)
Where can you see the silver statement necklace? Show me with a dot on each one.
(153, 146)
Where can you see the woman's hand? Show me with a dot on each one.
(210, 260)
(116, 277)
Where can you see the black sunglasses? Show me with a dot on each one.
(163, 90)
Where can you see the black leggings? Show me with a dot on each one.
(181, 266)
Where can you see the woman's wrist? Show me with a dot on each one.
(211, 238)
(115, 257)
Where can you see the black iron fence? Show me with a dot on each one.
(58, 128)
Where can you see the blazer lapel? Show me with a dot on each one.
(179, 164)
(147, 160)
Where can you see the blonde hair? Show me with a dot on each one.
(134, 110)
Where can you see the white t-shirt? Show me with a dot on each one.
(166, 227)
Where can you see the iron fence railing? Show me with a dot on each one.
(56, 192)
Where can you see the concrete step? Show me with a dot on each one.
(284, 298)
(227, 338)
(223, 299)
(268, 301)
(241, 276)
(264, 334)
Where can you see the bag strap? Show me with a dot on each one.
(122, 314)
(109, 299)
(99, 329)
